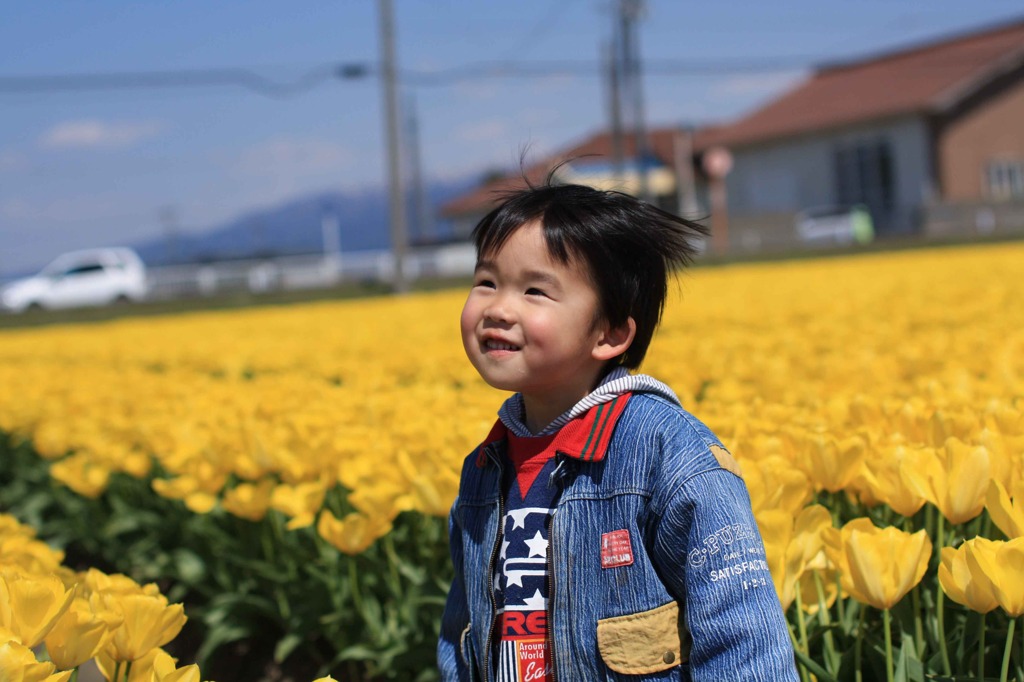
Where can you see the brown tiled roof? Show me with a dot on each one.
(925, 79)
(599, 145)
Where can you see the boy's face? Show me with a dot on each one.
(529, 323)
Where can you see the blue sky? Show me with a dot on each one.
(89, 168)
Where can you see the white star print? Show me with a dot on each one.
(538, 545)
(519, 515)
(538, 602)
(516, 577)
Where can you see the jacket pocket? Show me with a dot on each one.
(466, 651)
(642, 643)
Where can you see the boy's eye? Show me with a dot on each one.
(534, 291)
(486, 283)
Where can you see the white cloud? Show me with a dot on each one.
(92, 133)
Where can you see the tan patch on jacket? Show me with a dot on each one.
(726, 460)
(642, 643)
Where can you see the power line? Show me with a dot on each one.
(250, 79)
(187, 78)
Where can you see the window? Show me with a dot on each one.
(864, 175)
(83, 269)
(1004, 179)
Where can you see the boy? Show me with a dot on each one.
(601, 532)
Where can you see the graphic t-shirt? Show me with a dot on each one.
(521, 577)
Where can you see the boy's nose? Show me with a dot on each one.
(499, 311)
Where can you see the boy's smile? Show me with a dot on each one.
(531, 324)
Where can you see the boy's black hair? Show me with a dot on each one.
(628, 246)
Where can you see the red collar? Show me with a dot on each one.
(585, 438)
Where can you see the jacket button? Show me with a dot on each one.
(669, 657)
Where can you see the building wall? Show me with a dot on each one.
(993, 131)
(800, 173)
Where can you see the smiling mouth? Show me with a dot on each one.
(493, 344)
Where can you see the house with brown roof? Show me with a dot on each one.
(928, 139)
(664, 171)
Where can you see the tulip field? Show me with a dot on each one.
(261, 494)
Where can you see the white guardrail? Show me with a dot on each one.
(312, 271)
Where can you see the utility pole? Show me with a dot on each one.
(626, 93)
(172, 248)
(615, 109)
(397, 193)
(629, 14)
(420, 205)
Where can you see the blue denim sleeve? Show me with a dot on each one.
(455, 619)
(710, 554)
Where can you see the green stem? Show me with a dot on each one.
(389, 550)
(858, 647)
(888, 645)
(353, 576)
(915, 600)
(800, 622)
(832, 658)
(117, 672)
(915, 597)
(796, 646)
(981, 650)
(1006, 650)
(127, 670)
(939, 597)
(74, 675)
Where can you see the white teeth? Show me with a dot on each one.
(498, 345)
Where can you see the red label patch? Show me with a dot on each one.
(616, 549)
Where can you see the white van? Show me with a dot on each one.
(81, 278)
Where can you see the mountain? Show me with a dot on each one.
(295, 227)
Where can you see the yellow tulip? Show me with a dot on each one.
(82, 474)
(78, 635)
(97, 582)
(1006, 513)
(878, 565)
(142, 668)
(970, 588)
(165, 670)
(19, 664)
(806, 544)
(31, 604)
(1002, 564)
(300, 502)
(835, 540)
(881, 475)
(198, 489)
(29, 554)
(774, 483)
(149, 622)
(249, 500)
(354, 533)
(945, 425)
(954, 479)
(10, 526)
(833, 463)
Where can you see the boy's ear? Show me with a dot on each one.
(614, 341)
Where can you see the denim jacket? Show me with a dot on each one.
(696, 600)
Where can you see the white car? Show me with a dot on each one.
(80, 278)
